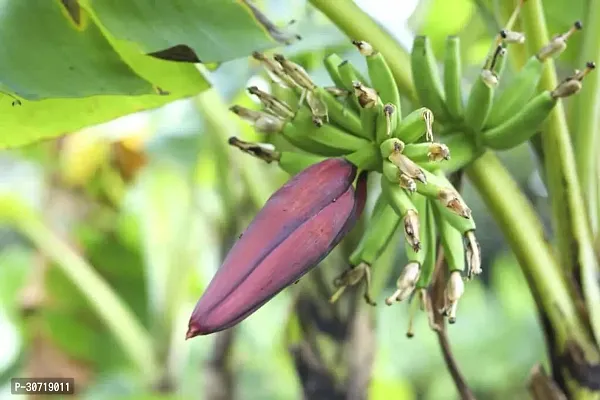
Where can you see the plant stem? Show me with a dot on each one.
(133, 337)
(585, 116)
(570, 222)
(360, 26)
(525, 235)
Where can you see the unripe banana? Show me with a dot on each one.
(285, 94)
(326, 140)
(404, 207)
(410, 274)
(339, 114)
(370, 106)
(452, 242)
(355, 257)
(349, 75)
(511, 99)
(380, 232)
(454, 208)
(332, 63)
(381, 76)
(521, 126)
(367, 158)
(428, 247)
(416, 124)
(389, 146)
(453, 78)
(427, 80)
(479, 102)
(481, 96)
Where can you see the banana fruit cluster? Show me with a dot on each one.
(359, 118)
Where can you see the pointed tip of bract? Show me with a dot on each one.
(192, 332)
(197, 330)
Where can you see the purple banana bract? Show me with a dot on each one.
(297, 228)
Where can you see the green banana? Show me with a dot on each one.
(286, 95)
(390, 146)
(481, 96)
(386, 122)
(517, 93)
(349, 76)
(479, 102)
(370, 106)
(500, 63)
(454, 208)
(332, 63)
(370, 247)
(410, 275)
(452, 242)
(452, 78)
(326, 140)
(521, 126)
(428, 83)
(429, 247)
(378, 238)
(339, 114)
(416, 124)
(366, 158)
(402, 204)
(381, 76)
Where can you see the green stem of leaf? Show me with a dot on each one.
(133, 337)
(570, 220)
(358, 25)
(523, 231)
(585, 116)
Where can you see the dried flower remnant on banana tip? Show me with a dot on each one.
(277, 107)
(406, 283)
(473, 255)
(438, 152)
(263, 151)
(367, 97)
(573, 84)
(455, 288)
(275, 69)
(558, 43)
(412, 229)
(453, 201)
(351, 277)
(263, 122)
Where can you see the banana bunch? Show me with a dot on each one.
(491, 116)
(359, 118)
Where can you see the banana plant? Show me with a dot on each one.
(359, 120)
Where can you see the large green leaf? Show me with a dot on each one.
(56, 57)
(48, 118)
(190, 30)
(93, 65)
